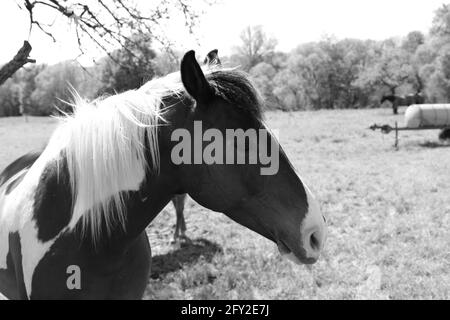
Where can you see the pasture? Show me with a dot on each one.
(388, 213)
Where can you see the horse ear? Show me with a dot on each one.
(212, 58)
(194, 80)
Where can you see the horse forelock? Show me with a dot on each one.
(236, 87)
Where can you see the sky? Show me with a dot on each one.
(292, 22)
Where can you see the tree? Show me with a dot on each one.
(19, 60)
(391, 70)
(110, 24)
(438, 78)
(130, 68)
(322, 75)
(10, 99)
(441, 22)
(255, 47)
(263, 75)
(431, 59)
(15, 93)
(413, 41)
(53, 89)
(26, 77)
(105, 24)
(299, 84)
(166, 63)
(288, 88)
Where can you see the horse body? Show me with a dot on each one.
(399, 101)
(73, 219)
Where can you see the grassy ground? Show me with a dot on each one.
(388, 213)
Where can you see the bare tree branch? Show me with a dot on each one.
(110, 24)
(19, 60)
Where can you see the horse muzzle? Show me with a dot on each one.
(313, 238)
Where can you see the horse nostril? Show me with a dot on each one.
(314, 241)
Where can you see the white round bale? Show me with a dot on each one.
(427, 115)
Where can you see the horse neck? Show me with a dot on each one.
(158, 189)
(141, 207)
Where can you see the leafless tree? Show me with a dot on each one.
(255, 46)
(107, 24)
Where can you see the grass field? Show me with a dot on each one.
(388, 213)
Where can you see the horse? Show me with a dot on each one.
(73, 218)
(398, 101)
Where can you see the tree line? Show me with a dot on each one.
(350, 73)
(327, 74)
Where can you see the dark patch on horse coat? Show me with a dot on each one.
(11, 278)
(15, 248)
(8, 285)
(53, 200)
(104, 275)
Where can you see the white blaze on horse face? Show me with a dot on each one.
(312, 231)
(313, 227)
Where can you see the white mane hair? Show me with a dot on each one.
(104, 144)
(105, 147)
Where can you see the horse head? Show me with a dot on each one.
(254, 182)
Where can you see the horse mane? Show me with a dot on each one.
(105, 143)
(235, 87)
(105, 148)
